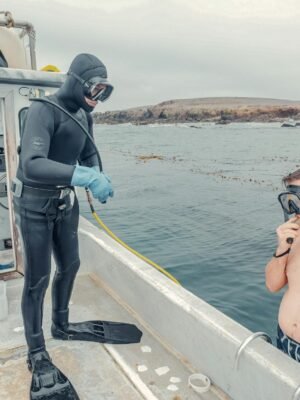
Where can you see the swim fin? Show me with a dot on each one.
(98, 331)
(48, 382)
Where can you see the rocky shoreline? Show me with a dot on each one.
(217, 110)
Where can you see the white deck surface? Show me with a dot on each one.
(98, 372)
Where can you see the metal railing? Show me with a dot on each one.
(247, 341)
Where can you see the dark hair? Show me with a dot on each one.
(290, 177)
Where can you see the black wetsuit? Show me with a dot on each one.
(51, 145)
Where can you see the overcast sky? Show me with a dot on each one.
(157, 50)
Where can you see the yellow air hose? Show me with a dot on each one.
(111, 234)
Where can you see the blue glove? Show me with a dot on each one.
(107, 177)
(97, 182)
(83, 176)
(101, 188)
(96, 168)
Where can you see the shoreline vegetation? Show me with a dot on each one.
(220, 110)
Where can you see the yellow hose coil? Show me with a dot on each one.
(111, 234)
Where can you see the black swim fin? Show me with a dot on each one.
(98, 331)
(48, 382)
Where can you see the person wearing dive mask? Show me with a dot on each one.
(284, 268)
(55, 155)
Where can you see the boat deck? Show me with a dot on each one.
(148, 370)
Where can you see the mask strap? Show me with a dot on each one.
(286, 216)
(77, 77)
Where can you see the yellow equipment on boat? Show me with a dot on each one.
(50, 68)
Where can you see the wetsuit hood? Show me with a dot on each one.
(86, 66)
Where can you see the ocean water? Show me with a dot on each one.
(206, 210)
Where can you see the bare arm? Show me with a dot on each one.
(276, 277)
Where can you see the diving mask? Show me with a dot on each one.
(290, 201)
(95, 88)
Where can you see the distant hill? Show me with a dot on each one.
(209, 109)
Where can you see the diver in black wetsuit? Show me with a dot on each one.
(47, 213)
